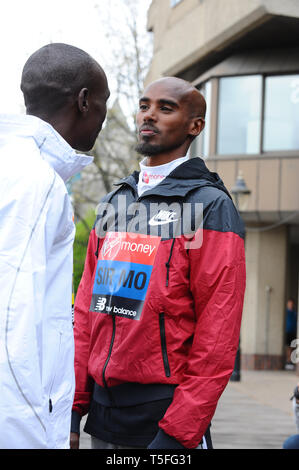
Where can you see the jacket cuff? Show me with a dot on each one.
(75, 422)
(164, 441)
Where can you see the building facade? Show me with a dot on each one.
(243, 55)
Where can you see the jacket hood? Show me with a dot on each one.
(195, 170)
(54, 149)
(190, 175)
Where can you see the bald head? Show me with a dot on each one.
(55, 74)
(66, 87)
(186, 93)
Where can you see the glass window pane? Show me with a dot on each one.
(239, 115)
(281, 123)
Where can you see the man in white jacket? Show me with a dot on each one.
(65, 93)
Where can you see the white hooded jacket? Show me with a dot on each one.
(36, 262)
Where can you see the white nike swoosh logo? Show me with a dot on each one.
(160, 222)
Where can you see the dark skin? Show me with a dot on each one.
(80, 120)
(171, 115)
(74, 440)
(66, 87)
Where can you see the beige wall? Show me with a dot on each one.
(263, 316)
(186, 33)
(289, 184)
(273, 182)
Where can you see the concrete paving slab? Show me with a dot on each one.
(255, 413)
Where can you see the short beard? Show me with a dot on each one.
(149, 150)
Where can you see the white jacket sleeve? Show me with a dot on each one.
(26, 235)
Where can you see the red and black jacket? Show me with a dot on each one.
(157, 315)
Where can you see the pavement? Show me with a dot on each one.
(255, 413)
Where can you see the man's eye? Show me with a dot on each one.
(143, 106)
(166, 108)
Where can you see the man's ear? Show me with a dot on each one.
(83, 103)
(197, 126)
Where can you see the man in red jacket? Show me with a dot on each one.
(158, 309)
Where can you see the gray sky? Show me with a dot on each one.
(28, 25)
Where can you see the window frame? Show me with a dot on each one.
(213, 151)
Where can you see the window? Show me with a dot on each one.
(248, 105)
(281, 120)
(239, 115)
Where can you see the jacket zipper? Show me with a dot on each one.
(54, 377)
(163, 344)
(168, 262)
(109, 352)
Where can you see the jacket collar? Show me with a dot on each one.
(188, 176)
(54, 149)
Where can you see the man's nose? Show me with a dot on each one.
(149, 114)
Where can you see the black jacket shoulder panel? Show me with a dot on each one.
(219, 211)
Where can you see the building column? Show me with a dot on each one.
(262, 331)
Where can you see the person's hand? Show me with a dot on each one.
(74, 440)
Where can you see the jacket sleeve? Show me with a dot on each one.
(217, 283)
(30, 214)
(82, 325)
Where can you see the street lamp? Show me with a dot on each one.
(240, 194)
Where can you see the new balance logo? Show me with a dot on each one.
(101, 303)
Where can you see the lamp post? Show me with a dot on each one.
(240, 194)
